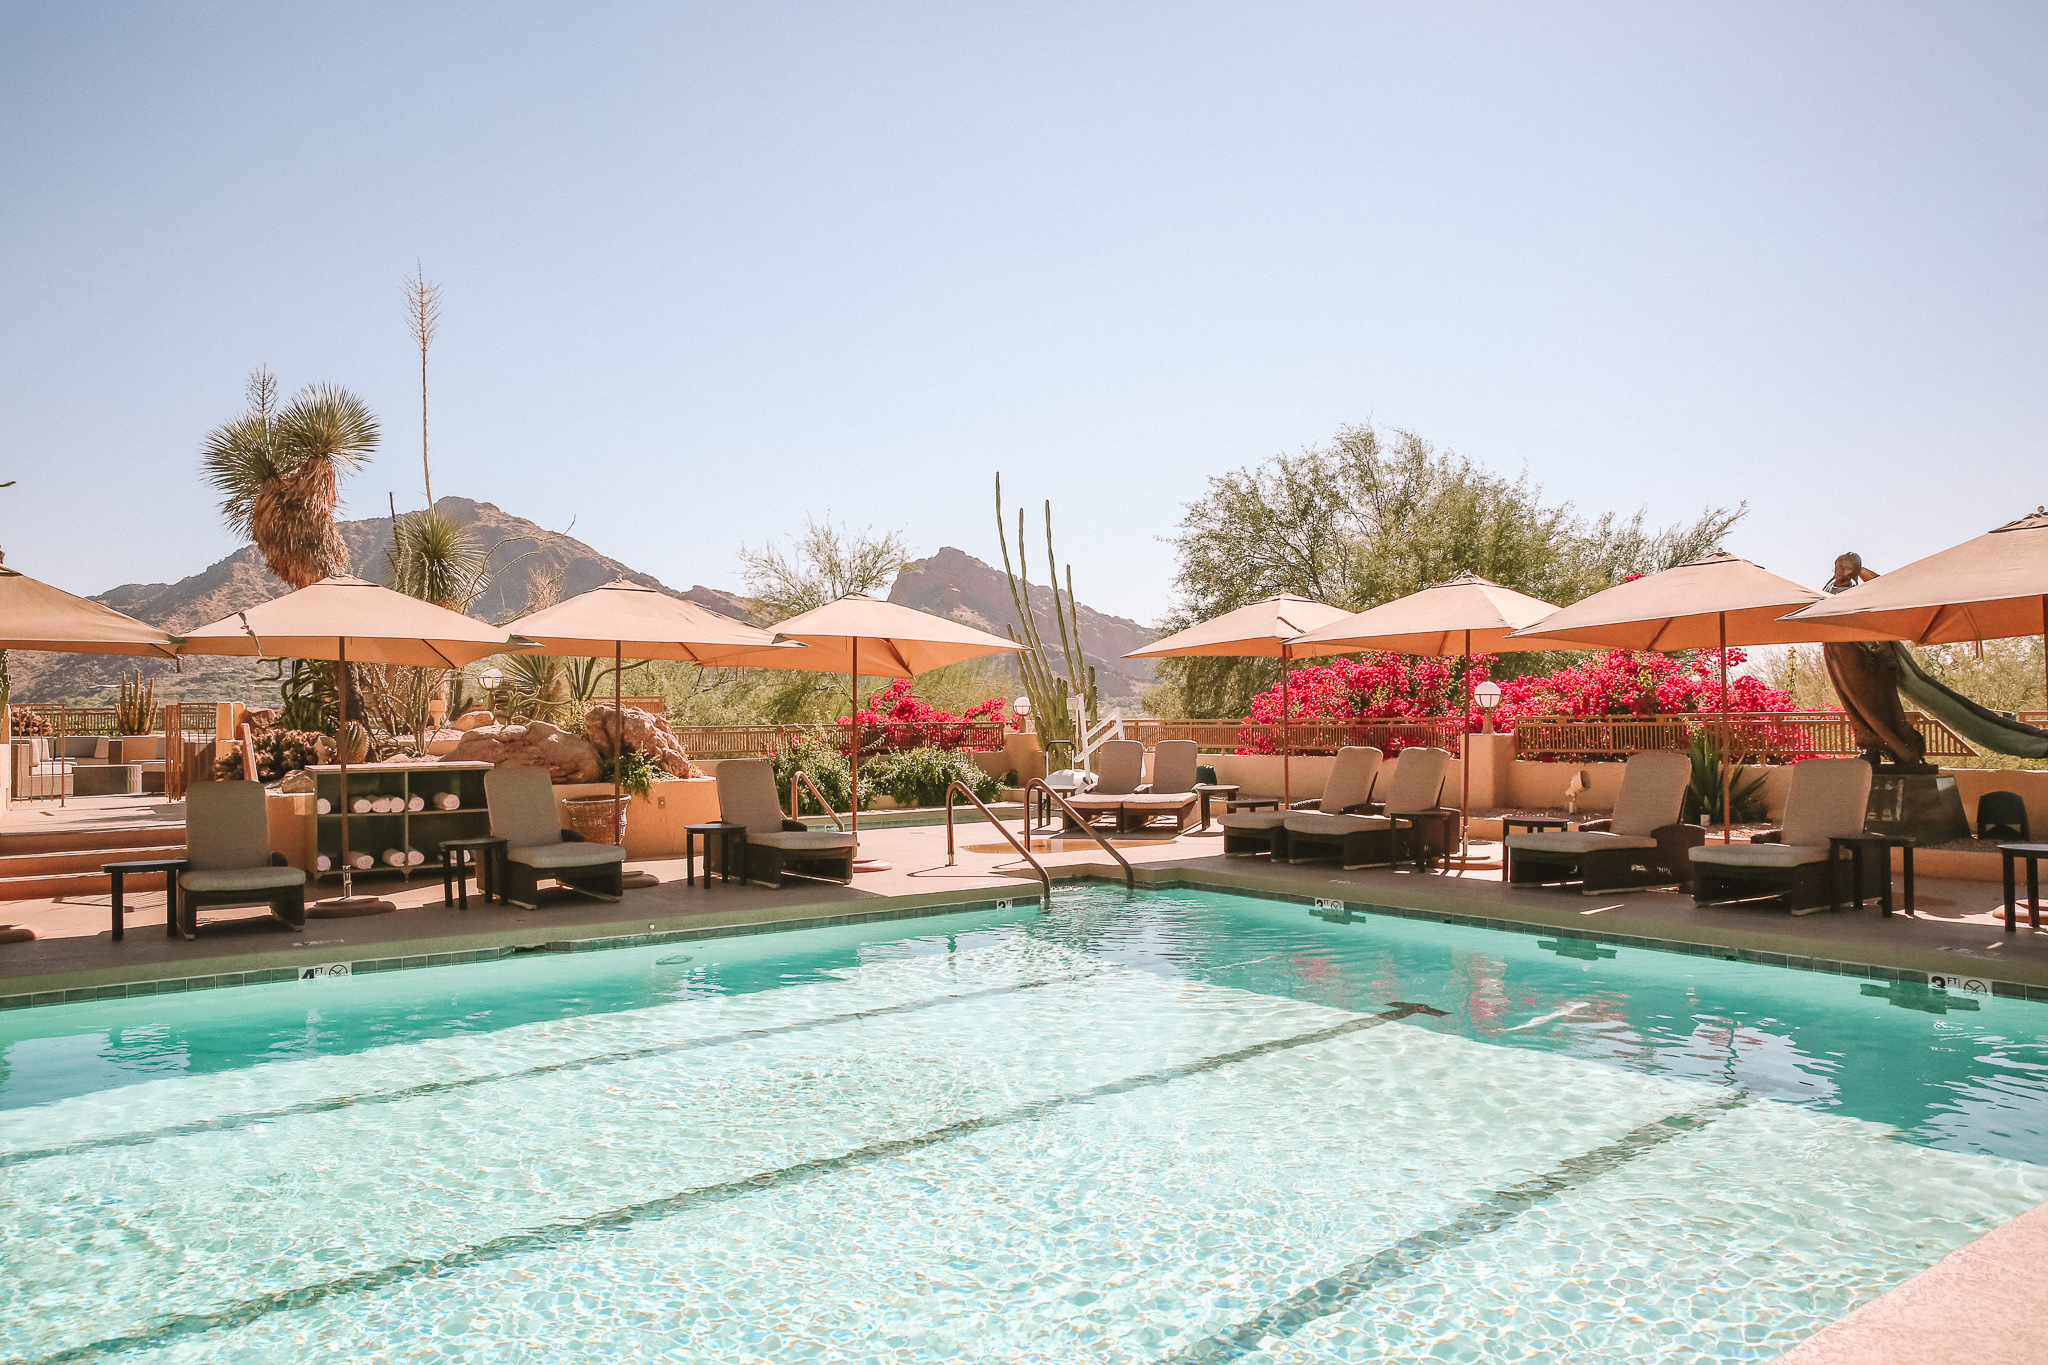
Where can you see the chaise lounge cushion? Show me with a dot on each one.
(1254, 819)
(1336, 824)
(242, 879)
(1760, 855)
(566, 855)
(803, 839)
(1584, 842)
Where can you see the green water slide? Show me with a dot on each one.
(1998, 731)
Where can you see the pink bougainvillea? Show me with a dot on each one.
(1380, 687)
(894, 719)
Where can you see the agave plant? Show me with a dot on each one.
(1703, 793)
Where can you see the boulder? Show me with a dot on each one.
(474, 720)
(296, 781)
(567, 757)
(649, 734)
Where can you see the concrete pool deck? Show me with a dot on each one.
(1971, 1304)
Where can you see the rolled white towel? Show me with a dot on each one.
(448, 801)
(416, 803)
(363, 862)
(413, 857)
(361, 805)
(394, 857)
(323, 806)
(388, 804)
(323, 863)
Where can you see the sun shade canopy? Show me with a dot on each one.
(1468, 613)
(1683, 608)
(645, 623)
(34, 615)
(380, 627)
(1989, 588)
(894, 641)
(1258, 631)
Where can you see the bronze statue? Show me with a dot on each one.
(1866, 677)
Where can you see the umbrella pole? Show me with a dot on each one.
(348, 872)
(860, 864)
(1286, 738)
(1727, 812)
(1465, 762)
(619, 749)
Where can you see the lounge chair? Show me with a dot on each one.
(228, 859)
(1642, 844)
(1119, 772)
(1411, 823)
(777, 846)
(1829, 799)
(1170, 793)
(1248, 833)
(525, 816)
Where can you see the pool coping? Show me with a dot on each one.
(300, 967)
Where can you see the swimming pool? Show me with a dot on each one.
(1178, 1126)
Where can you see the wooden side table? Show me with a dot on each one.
(725, 831)
(171, 867)
(1535, 824)
(2033, 853)
(482, 853)
(1210, 790)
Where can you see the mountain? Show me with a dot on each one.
(523, 553)
(525, 557)
(954, 584)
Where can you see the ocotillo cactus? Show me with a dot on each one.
(1047, 687)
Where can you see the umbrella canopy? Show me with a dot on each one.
(1259, 631)
(1711, 602)
(645, 623)
(347, 618)
(1467, 615)
(1984, 589)
(892, 641)
(35, 615)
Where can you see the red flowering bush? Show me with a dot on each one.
(1379, 687)
(895, 720)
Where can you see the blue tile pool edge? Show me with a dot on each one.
(1330, 908)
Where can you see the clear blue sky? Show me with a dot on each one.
(710, 268)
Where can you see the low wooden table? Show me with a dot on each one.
(727, 833)
(2033, 853)
(1208, 791)
(1535, 824)
(171, 867)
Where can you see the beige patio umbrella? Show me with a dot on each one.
(341, 619)
(1463, 616)
(36, 616)
(1261, 630)
(1710, 603)
(1990, 588)
(623, 618)
(865, 637)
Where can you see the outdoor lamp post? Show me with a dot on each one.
(489, 680)
(1487, 694)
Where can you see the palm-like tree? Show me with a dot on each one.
(280, 472)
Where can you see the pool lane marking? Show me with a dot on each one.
(174, 1327)
(246, 1118)
(1334, 1294)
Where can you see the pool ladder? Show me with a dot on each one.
(1023, 848)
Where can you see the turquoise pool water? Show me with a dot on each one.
(1177, 1126)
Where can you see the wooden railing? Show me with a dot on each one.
(759, 741)
(1766, 736)
(189, 745)
(1318, 737)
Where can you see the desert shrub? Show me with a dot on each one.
(919, 777)
(277, 752)
(826, 766)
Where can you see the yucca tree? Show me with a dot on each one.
(280, 473)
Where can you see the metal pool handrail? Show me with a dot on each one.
(1001, 828)
(1074, 818)
(826, 806)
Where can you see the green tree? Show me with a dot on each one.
(822, 563)
(1373, 516)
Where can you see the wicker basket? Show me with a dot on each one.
(591, 817)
